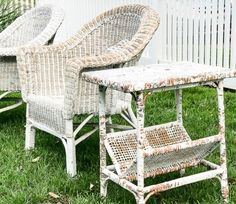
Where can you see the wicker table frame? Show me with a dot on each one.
(114, 172)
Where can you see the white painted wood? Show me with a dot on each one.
(202, 31)
(190, 32)
(214, 31)
(179, 26)
(169, 31)
(233, 37)
(185, 33)
(227, 35)
(208, 32)
(220, 33)
(174, 33)
(196, 29)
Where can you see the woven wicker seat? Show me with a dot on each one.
(35, 27)
(114, 39)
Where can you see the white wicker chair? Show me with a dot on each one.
(36, 27)
(55, 93)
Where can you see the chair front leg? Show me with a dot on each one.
(29, 133)
(71, 157)
(70, 147)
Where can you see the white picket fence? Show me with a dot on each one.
(202, 31)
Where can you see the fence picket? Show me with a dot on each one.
(190, 31)
(201, 31)
(208, 32)
(220, 33)
(233, 37)
(227, 33)
(185, 30)
(195, 30)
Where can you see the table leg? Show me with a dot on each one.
(102, 135)
(179, 113)
(178, 99)
(223, 177)
(140, 147)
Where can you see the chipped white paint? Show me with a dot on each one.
(163, 75)
(150, 151)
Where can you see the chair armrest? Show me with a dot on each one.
(41, 69)
(9, 51)
(76, 65)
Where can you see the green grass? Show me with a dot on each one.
(24, 181)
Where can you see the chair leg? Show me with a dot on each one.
(29, 136)
(71, 157)
(70, 147)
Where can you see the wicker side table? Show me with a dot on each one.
(150, 151)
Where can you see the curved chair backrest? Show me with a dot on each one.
(125, 30)
(116, 27)
(35, 27)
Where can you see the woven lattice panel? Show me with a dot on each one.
(173, 161)
(122, 149)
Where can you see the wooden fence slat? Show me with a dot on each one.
(185, 30)
(213, 32)
(169, 31)
(208, 32)
(180, 43)
(190, 31)
(227, 33)
(233, 37)
(201, 31)
(220, 33)
(196, 30)
(174, 30)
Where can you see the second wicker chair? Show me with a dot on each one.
(51, 83)
(34, 28)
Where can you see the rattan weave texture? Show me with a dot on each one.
(114, 39)
(34, 28)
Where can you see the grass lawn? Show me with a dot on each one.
(25, 181)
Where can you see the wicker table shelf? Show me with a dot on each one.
(150, 151)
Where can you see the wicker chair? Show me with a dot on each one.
(35, 27)
(51, 83)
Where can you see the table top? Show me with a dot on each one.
(157, 76)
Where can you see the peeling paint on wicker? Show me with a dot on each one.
(34, 28)
(163, 75)
(150, 151)
(114, 39)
